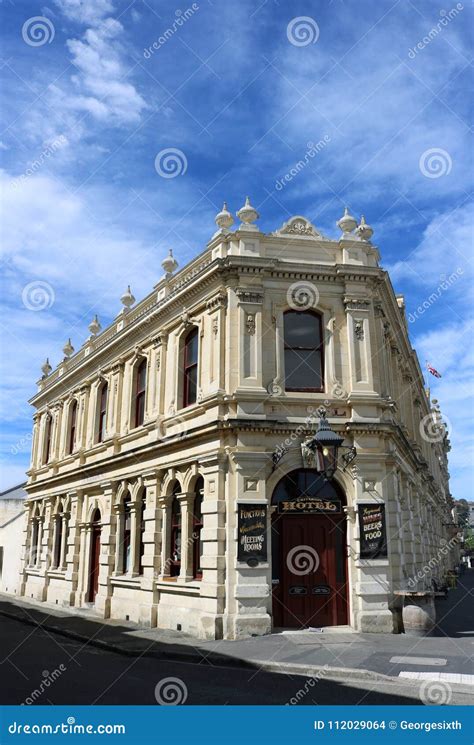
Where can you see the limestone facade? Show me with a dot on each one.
(100, 483)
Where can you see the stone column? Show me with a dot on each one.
(107, 548)
(250, 302)
(73, 546)
(359, 317)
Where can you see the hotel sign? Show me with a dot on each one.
(309, 505)
(252, 533)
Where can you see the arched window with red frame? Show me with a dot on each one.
(304, 363)
(140, 393)
(126, 534)
(175, 535)
(47, 439)
(102, 412)
(190, 368)
(197, 528)
(72, 427)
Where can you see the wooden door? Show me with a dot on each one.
(313, 589)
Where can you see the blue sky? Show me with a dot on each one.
(240, 89)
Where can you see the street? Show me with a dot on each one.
(87, 675)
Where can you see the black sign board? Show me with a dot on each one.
(373, 542)
(308, 505)
(252, 533)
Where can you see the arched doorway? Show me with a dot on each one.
(309, 554)
(93, 582)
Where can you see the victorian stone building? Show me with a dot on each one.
(171, 482)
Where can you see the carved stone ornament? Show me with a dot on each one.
(215, 326)
(310, 454)
(359, 330)
(298, 225)
(248, 295)
(250, 324)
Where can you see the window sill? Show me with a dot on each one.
(126, 580)
(56, 573)
(175, 585)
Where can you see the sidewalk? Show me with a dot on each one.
(445, 655)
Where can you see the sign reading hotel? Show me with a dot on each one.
(252, 533)
(373, 543)
(308, 505)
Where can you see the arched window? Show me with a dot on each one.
(47, 439)
(35, 536)
(141, 541)
(190, 368)
(197, 528)
(72, 427)
(102, 412)
(140, 392)
(303, 351)
(127, 534)
(58, 538)
(175, 537)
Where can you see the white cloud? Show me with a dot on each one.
(85, 11)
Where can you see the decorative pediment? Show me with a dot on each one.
(298, 226)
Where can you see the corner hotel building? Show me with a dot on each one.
(191, 408)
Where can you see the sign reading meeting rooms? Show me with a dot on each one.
(252, 532)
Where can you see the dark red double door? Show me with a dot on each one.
(312, 586)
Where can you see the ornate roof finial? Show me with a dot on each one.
(68, 349)
(46, 368)
(247, 214)
(363, 230)
(127, 298)
(94, 326)
(347, 223)
(224, 219)
(169, 264)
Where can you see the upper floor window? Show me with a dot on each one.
(140, 392)
(190, 368)
(47, 439)
(303, 351)
(102, 412)
(72, 427)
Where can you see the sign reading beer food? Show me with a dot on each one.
(373, 542)
(308, 505)
(252, 533)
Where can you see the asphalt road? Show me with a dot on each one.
(80, 674)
